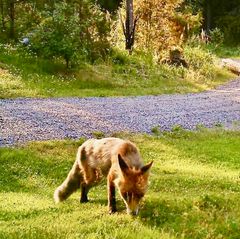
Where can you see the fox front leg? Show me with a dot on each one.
(84, 192)
(111, 197)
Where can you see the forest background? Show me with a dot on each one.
(95, 48)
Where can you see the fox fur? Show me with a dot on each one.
(117, 160)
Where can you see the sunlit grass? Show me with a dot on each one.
(12, 85)
(193, 193)
(32, 77)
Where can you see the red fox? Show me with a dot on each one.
(114, 158)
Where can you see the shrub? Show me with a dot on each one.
(216, 36)
(230, 25)
(198, 58)
(68, 33)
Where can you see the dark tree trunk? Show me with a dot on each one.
(12, 19)
(68, 62)
(2, 16)
(129, 26)
(207, 16)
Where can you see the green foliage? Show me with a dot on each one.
(111, 6)
(201, 62)
(197, 58)
(216, 36)
(98, 134)
(32, 76)
(224, 50)
(230, 25)
(193, 192)
(220, 14)
(119, 57)
(71, 34)
(57, 35)
(156, 130)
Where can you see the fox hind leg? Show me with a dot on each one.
(91, 178)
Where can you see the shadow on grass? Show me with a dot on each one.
(159, 213)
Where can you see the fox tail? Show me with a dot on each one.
(70, 184)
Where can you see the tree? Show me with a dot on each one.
(156, 30)
(3, 23)
(110, 6)
(8, 16)
(129, 27)
(221, 14)
(71, 31)
(162, 26)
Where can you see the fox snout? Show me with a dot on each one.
(132, 205)
(133, 212)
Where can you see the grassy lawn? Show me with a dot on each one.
(194, 191)
(26, 76)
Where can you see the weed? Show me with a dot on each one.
(98, 134)
(219, 125)
(156, 130)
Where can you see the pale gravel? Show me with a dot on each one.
(23, 120)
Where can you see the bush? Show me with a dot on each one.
(230, 25)
(71, 35)
(216, 36)
(197, 58)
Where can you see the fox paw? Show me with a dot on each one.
(112, 210)
(84, 200)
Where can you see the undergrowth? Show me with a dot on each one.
(24, 75)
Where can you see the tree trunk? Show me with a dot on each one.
(2, 16)
(67, 60)
(12, 19)
(208, 16)
(129, 24)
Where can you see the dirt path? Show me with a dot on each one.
(23, 120)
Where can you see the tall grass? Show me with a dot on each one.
(120, 75)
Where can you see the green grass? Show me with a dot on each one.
(27, 76)
(193, 193)
(225, 51)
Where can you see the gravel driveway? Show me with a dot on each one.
(23, 120)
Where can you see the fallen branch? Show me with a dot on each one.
(232, 65)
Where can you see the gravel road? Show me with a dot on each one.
(23, 120)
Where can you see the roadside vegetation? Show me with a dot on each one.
(83, 48)
(193, 193)
(225, 51)
(23, 75)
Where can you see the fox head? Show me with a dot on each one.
(132, 185)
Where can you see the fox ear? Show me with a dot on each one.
(146, 168)
(122, 164)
